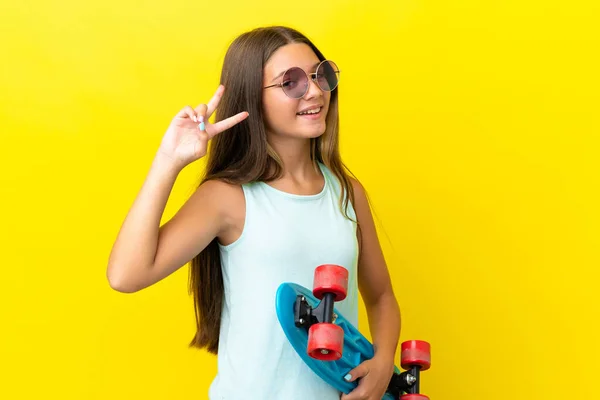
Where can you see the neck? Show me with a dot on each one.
(295, 155)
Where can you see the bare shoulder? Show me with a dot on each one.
(356, 185)
(218, 189)
(360, 196)
(225, 197)
(228, 200)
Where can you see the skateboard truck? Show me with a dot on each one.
(405, 382)
(330, 285)
(305, 316)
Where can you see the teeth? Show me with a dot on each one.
(315, 111)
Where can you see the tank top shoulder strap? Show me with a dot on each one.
(336, 186)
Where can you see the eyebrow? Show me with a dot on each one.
(283, 72)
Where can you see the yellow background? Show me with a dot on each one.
(474, 125)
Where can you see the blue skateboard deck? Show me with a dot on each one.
(356, 350)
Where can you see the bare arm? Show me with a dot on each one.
(145, 253)
(375, 283)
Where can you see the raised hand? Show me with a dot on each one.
(186, 139)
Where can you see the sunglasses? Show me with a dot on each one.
(295, 80)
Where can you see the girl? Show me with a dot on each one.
(275, 203)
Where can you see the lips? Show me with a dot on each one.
(311, 108)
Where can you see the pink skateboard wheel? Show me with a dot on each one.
(325, 341)
(330, 279)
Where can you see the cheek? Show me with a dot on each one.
(279, 110)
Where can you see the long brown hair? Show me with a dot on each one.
(243, 155)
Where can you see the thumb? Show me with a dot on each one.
(360, 371)
(201, 111)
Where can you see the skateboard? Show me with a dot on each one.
(331, 346)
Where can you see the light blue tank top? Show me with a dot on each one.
(285, 237)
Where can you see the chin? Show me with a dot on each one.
(304, 131)
(312, 130)
(313, 133)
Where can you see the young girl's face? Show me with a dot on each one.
(282, 111)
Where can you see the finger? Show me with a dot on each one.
(358, 372)
(201, 110)
(187, 112)
(358, 393)
(221, 126)
(362, 390)
(214, 102)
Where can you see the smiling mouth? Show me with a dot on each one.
(315, 111)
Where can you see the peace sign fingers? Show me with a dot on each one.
(213, 103)
(215, 129)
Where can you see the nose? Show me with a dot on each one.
(313, 90)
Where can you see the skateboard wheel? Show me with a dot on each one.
(330, 279)
(414, 397)
(415, 352)
(325, 341)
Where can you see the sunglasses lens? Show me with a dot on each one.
(295, 83)
(328, 75)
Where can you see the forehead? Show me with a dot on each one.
(291, 55)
